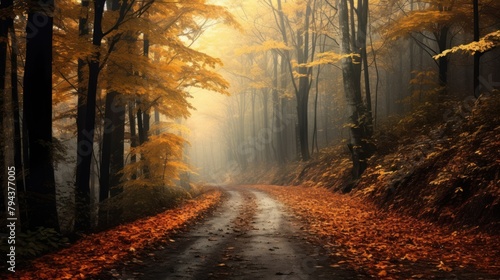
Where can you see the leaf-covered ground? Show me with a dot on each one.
(96, 252)
(444, 169)
(388, 244)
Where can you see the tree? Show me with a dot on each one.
(4, 28)
(37, 111)
(359, 118)
(111, 42)
(435, 24)
(477, 56)
(114, 124)
(304, 47)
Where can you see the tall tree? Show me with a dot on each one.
(96, 62)
(477, 55)
(85, 147)
(301, 78)
(82, 198)
(114, 123)
(37, 111)
(4, 28)
(16, 115)
(358, 115)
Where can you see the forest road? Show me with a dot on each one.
(249, 236)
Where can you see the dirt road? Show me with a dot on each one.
(250, 236)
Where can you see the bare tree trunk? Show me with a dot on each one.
(133, 133)
(157, 121)
(303, 90)
(443, 61)
(37, 100)
(114, 130)
(86, 145)
(283, 145)
(477, 55)
(112, 144)
(254, 129)
(18, 139)
(18, 160)
(353, 96)
(4, 28)
(265, 100)
(315, 127)
(83, 30)
(278, 150)
(362, 33)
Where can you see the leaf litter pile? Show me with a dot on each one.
(96, 252)
(389, 245)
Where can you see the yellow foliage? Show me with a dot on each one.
(429, 20)
(488, 42)
(159, 162)
(328, 58)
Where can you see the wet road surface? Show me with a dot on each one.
(249, 236)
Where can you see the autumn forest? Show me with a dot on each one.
(256, 139)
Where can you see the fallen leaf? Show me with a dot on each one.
(443, 267)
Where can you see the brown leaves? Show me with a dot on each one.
(385, 244)
(95, 252)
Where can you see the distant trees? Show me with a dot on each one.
(303, 58)
(386, 67)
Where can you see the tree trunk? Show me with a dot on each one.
(4, 28)
(86, 146)
(114, 124)
(363, 30)
(303, 90)
(83, 31)
(477, 55)
(254, 128)
(133, 133)
(37, 100)
(283, 145)
(112, 144)
(117, 148)
(353, 97)
(265, 100)
(443, 61)
(157, 122)
(278, 150)
(18, 159)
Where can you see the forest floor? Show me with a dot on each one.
(388, 244)
(274, 232)
(443, 169)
